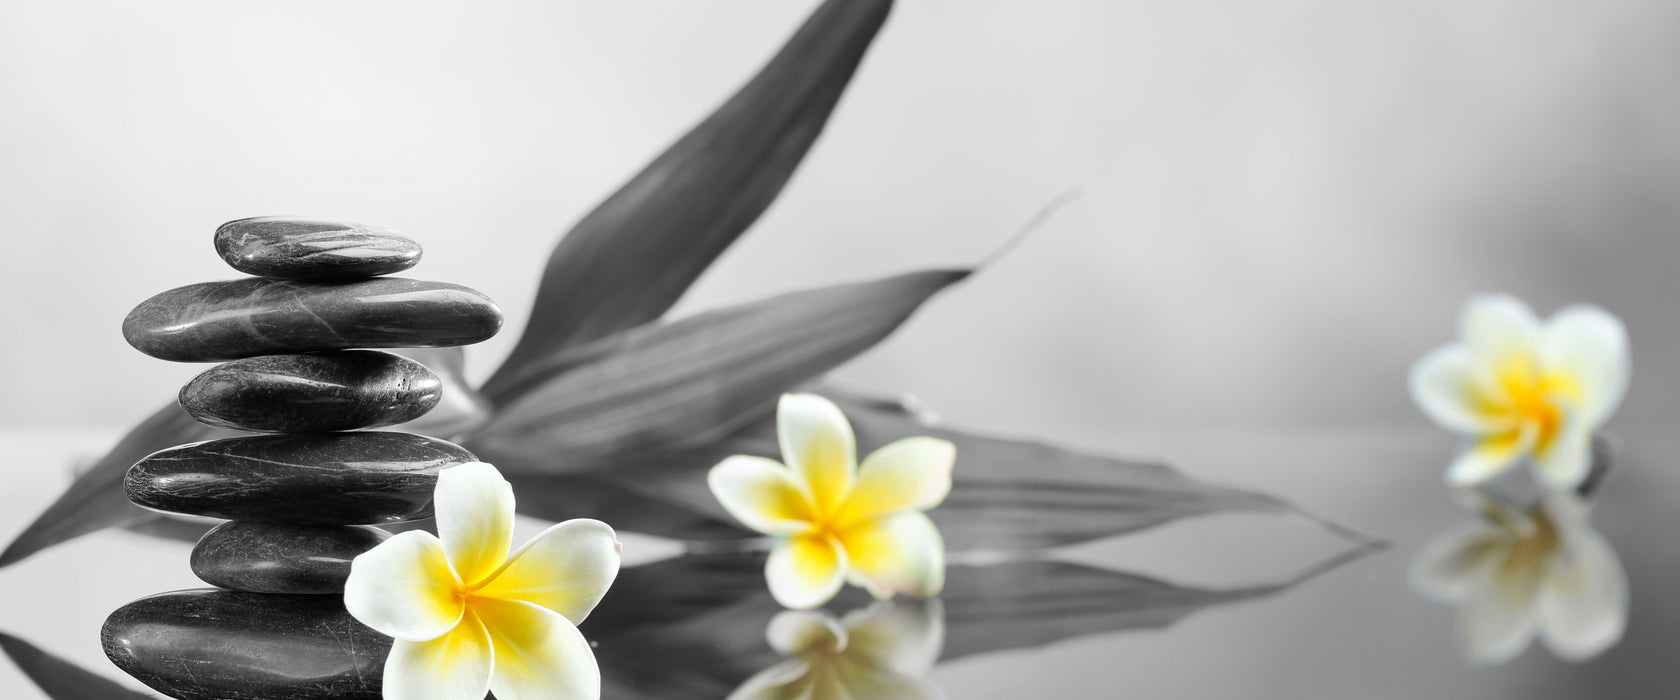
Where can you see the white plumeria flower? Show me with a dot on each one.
(469, 617)
(1517, 574)
(880, 653)
(1519, 388)
(837, 521)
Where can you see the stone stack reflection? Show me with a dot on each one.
(303, 498)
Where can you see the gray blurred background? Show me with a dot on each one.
(1285, 203)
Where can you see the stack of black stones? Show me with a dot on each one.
(302, 497)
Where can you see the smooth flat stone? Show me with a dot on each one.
(360, 478)
(339, 390)
(230, 320)
(208, 644)
(280, 557)
(294, 248)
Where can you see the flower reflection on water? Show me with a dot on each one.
(1518, 574)
(882, 652)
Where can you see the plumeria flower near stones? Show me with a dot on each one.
(1519, 388)
(469, 617)
(883, 651)
(1519, 574)
(837, 521)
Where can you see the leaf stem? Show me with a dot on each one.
(1603, 453)
(1031, 226)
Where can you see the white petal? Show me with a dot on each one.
(1449, 567)
(910, 474)
(567, 568)
(540, 655)
(1496, 325)
(791, 632)
(899, 553)
(1565, 462)
(1589, 346)
(454, 666)
(475, 518)
(905, 636)
(1584, 599)
(1444, 385)
(404, 588)
(817, 444)
(805, 572)
(762, 494)
(1497, 621)
(1492, 454)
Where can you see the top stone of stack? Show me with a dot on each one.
(319, 286)
(313, 250)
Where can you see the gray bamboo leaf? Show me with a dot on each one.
(629, 260)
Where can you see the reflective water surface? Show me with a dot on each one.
(1250, 605)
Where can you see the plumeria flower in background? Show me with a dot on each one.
(883, 652)
(838, 521)
(469, 617)
(1516, 574)
(1520, 388)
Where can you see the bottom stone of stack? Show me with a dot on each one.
(210, 644)
(281, 558)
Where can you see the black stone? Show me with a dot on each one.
(229, 320)
(281, 558)
(208, 644)
(295, 248)
(360, 478)
(340, 390)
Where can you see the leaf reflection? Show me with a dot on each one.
(704, 616)
(709, 622)
(96, 500)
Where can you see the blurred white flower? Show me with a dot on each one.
(879, 653)
(1517, 574)
(1518, 387)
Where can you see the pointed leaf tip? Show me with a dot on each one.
(60, 679)
(96, 499)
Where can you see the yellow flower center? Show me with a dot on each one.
(1535, 396)
(824, 528)
(465, 592)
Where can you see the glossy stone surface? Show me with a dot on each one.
(360, 478)
(295, 248)
(208, 644)
(229, 320)
(281, 557)
(341, 390)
